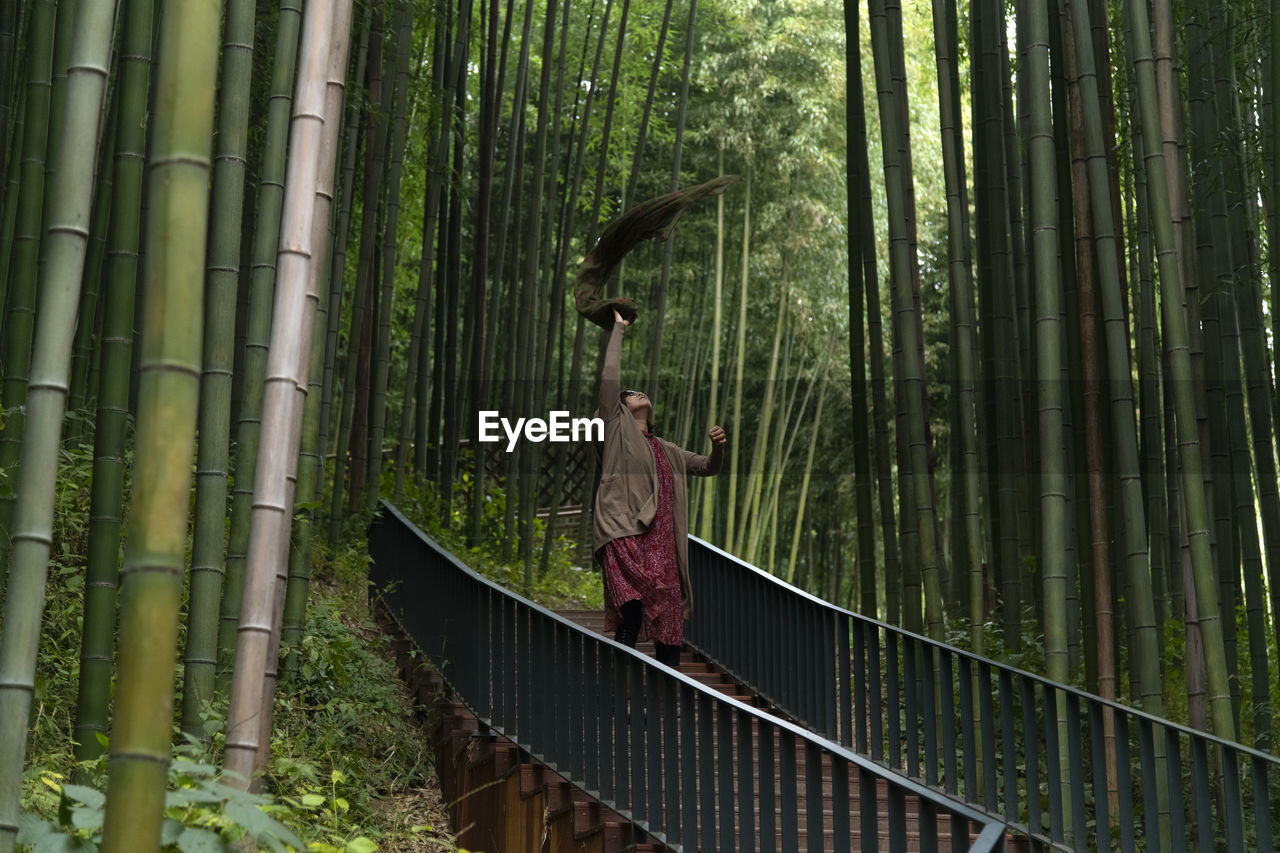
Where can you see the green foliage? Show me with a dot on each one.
(565, 584)
(202, 814)
(346, 746)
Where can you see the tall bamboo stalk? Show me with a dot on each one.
(19, 307)
(69, 203)
(1175, 330)
(151, 582)
(107, 496)
(859, 283)
(286, 380)
(208, 555)
(960, 278)
(261, 284)
(708, 489)
(1118, 378)
(354, 124)
(739, 362)
(885, 19)
(402, 30)
(310, 464)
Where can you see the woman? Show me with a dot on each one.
(642, 515)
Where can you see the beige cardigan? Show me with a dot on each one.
(627, 499)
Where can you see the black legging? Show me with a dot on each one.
(629, 630)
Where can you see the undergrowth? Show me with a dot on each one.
(350, 769)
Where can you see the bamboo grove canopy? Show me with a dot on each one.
(265, 263)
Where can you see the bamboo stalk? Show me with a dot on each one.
(69, 203)
(169, 359)
(296, 296)
(107, 496)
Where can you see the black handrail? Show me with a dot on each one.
(1002, 739)
(667, 762)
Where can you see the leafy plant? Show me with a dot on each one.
(202, 814)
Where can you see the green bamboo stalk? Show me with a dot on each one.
(151, 582)
(69, 205)
(1049, 348)
(9, 213)
(200, 657)
(88, 328)
(1176, 337)
(1246, 526)
(1151, 409)
(1054, 517)
(285, 378)
(859, 283)
(1118, 377)
(402, 27)
(348, 449)
(337, 268)
(8, 42)
(960, 278)
(885, 20)
(107, 496)
(152, 577)
(261, 284)
(709, 490)
(804, 482)
(19, 310)
(751, 522)
(739, 363)
(1245, 297)
(1272, 170)
(1000, 255)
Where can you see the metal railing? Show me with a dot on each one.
(692, 768)
(1004, 740)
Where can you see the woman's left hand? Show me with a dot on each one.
(717, 436)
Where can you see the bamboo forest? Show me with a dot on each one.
(981, 295)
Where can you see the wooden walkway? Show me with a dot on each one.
(742, 830)
(505, 801)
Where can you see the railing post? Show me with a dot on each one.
(592, 713)
(655, 682)
(688, 770)
(1009, 746)
(746, 779)
(813, 796)
(1262, 804)
(1177, 806)
(986, 716)
(766, 774)
(706, 772)
(636, 725)
(724, 724)
(1124, 782)
(790, 801)
(840, 807)
(843, 663)
(861, 720)
(1031, 759)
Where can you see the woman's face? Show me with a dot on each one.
(638, 403)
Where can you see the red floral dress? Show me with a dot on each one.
(643, 567)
